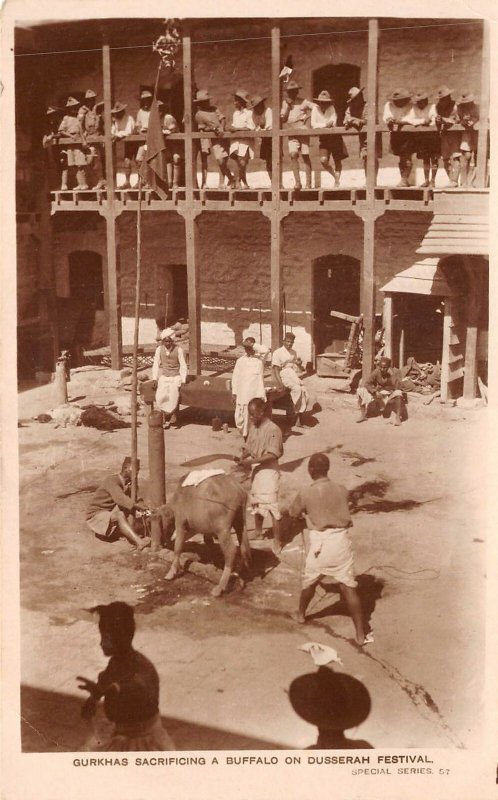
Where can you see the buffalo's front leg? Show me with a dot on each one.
(229, 550)
(175, 568)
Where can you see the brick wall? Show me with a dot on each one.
(234, 257)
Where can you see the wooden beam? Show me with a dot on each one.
(275, 218)
(113, 293)
(482, 144)
(373, 57)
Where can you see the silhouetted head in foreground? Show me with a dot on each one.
(117, 627)
(334, 702)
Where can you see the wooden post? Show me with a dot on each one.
(368, 267)
(373, 56)
(191, 226)
(275, 217)
(482, 144)
(194, 303)
(190, 161)
(473, 308)
(445, 355)
(113, 294)
(134, 377)
(401, 344)
(387, 324)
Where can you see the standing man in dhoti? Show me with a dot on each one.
(287, 370)
(261, 452)
(169, 371)
(247, 381)
(383, 389)
(330, 555)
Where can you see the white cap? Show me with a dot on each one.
(167, 333)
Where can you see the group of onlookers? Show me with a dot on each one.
(451, 135)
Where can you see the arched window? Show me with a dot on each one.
(337, 79)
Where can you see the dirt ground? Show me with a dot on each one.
(226, 664)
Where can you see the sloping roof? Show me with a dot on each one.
(465, 234)
(424, 277)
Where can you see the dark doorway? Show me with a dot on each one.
(171, 93)
(337, 79)
(171, 294)
(418, 328)
(336, 287)
(86, 287)
(85, 278)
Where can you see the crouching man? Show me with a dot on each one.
(383, 388)
(111, 509)
(330, 555)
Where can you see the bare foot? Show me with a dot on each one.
(298, 617)
(143, 543)
(366, 639)
(276, 548)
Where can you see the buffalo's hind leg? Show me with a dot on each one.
(175, 568)
(229, 550)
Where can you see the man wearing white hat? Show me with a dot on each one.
(169, 371)
(241, 150)
(72, 128)
(123, 125)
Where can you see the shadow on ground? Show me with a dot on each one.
(51, 723)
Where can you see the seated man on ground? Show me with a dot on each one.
(111, 508)
(383, 388)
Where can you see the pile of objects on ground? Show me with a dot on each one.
(421, 378)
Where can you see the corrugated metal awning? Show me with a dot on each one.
(424, 277)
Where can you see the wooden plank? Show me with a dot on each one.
(482, 141)
(113, 293)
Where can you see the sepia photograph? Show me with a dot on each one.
(252, 310)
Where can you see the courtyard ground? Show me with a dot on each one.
(226, 664)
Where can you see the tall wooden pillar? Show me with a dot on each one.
(482, 144)
(368, 292)
(193, 288)
(445, 357)
(113, 289)
(473, 310)
(387, 324)
(368, 267)
(190, 214)
(275, 217)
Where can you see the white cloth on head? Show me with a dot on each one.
(167, 333)
(196, 477)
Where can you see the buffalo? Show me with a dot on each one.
(213, 507)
